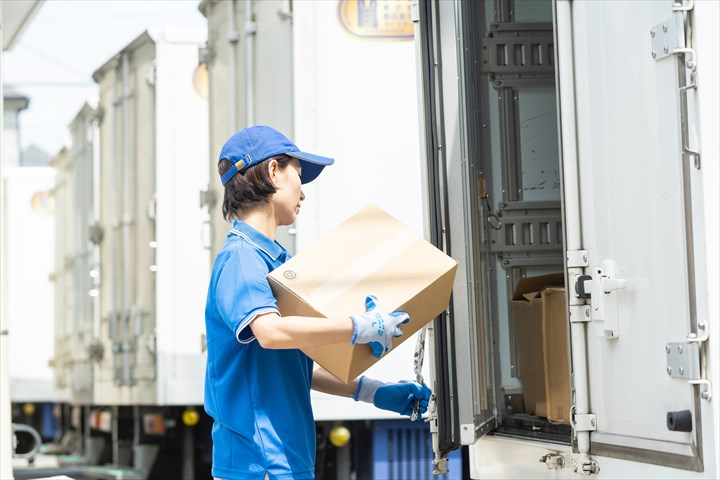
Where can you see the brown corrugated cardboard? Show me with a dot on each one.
(541, 333)
(370, 253)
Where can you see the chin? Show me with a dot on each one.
(289, 220)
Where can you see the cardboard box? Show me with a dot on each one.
(370, 253)
(541, 335)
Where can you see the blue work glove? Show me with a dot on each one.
(395, 397)
(376, 327)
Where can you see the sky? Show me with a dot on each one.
(66, 42)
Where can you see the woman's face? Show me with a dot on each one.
(289, 194)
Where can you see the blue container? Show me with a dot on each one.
(402, 450)
(49, 421)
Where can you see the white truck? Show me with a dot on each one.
(132, 266)
(338, 88)
(575, 138)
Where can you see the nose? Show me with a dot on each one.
(302, 195)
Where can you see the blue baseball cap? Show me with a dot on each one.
(252, 145)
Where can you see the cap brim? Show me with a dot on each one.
(312, 165)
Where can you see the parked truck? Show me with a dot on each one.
(570, 166)
(132, 266)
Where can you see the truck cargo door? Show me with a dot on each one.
(462, 369)
(633, 75)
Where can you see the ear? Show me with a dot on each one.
(273, 169)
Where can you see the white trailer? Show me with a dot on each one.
(322, 74)
(576, 137)
(133, 263)
(295, 66)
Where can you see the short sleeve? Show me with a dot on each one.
(243, 292)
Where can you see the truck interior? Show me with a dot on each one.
(514, 112)
(508, 94)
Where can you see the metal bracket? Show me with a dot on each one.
(553, 461)
(578, 258)
(415, 12)
(668, 37)
(683, 360)
(585, 423)
(528, 227)
(208, 197)
(680, 6)
(517, 52)
(580, 313)
(467, 434)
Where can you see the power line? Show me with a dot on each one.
(53, 59)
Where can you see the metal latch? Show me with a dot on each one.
(605, 285)
(683, 360)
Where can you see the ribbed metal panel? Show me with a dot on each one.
(403, 450)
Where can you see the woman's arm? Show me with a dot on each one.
(276, 332)
(325, 382)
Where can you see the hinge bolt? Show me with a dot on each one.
(679, 348)
(654, 54)
(652, 32)
(667, 348)
(665, 28)
(587, 312)
(682, 371)
(705, 395)
(665, 49)
(669, 370)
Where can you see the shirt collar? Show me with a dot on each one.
(271, 248)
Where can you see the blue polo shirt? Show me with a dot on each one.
(259, 399)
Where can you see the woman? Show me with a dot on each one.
(258, 382)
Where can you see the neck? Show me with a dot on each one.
(261, 219)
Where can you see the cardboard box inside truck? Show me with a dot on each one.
(369, 253)
(541, 335)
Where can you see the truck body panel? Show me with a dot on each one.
(570, 137)
(152, 140)
(334, 94)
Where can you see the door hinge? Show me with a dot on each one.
(208, 197)
(683, 360)
(670, 38)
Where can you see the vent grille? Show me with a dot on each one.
(403, 450)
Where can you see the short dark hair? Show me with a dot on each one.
(250, 188)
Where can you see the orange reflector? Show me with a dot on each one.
(154, 424)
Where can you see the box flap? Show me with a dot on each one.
(532, 285)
